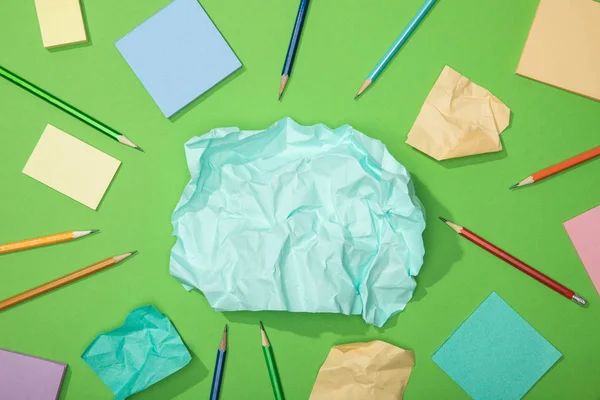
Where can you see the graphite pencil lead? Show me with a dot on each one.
(443, 219)
(516, 185)
(94, 231)
(262, 327)
(226, 327)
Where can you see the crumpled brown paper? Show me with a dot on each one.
(459, 118)
(361, 371)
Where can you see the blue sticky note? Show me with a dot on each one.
(495, 354)
(178, 54)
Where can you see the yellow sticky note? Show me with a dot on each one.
(72, 167)
(61, 22)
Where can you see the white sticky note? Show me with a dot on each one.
(61, 22)
(72, 167)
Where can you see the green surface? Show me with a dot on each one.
(341, 43)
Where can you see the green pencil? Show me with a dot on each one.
(69, 109)
(270, 359)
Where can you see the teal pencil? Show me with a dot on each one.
(412, 25)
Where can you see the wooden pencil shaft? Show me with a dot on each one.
(215, 389)
(564, 165)
(273, 374)
(410, 28)
(44, 95)
(295, 39)
(55, 284)
(36, 242)
(515, 262)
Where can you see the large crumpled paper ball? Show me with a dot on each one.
(298, 218)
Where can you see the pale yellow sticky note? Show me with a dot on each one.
(562, 47)
(71, 166)
(364, 371)
(458, 119)
(61, 22)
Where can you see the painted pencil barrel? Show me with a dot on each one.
(218, 375)
(295, 39)
(571, 162)
(412, 25)
(273, 374)
(37, 242)
(42, 94)
(515, 262)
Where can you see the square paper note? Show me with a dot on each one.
(60, 22)
(27, 377)
(71, 166)
(584, 231)
(178, 54)
(495, 353)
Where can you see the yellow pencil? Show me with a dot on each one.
(43, 241)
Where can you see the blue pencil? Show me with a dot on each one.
(291, 52)
(219, 366)
(396, 46)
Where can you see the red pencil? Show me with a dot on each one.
(561, 166)
(515, 262)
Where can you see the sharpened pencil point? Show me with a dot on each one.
(443, 219)
(364, 87)
(516, 185)
(140, 149)
(262, 327)
(226, 327)
(94, 231)
(284, 79)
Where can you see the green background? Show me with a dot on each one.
(342, 41)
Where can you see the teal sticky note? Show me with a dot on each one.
(495, 354)
(141, 352)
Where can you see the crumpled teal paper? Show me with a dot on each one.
(298, 218)
(144, 350)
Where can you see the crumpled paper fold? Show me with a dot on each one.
(364, 371)
(459, 118)
(298, 218)
(141, 352)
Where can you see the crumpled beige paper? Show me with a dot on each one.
(459, 118)
(361, 371)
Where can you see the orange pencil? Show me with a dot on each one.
(43, 241)
(55, 284)
(555, 169)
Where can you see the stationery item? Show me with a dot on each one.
(412, 25)
(515, 262)
(584, 231)
(60, 22)
(495, 353)
(562, 47)
(43, 241)
(57, 283)
(295, 39)
(72, 167)
(141, 352)
(69, 109)
(215, 389)
(271, 366)
(364, 371)
(561, 166)
(298, 218)
(178, 54)
(28, 377)
(459, 118)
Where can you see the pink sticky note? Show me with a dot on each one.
(584, 231)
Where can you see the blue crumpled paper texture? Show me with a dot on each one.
(298, 218)
(143, 351)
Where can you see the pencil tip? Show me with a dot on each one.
(94, 231)
(516, 185)
(364, 87)
(226, 328)
(284, 79)
(262, 327)
(140, 149)
(443, 219)
(133, 253)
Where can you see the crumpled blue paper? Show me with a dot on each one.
(144, 350)
(298, 218)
